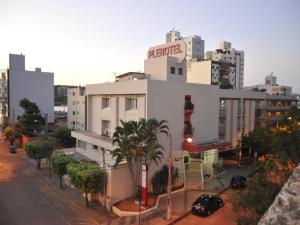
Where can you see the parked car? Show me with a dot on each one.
(205, 205)
(238, 181)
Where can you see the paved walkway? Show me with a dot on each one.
(182, 201)
(29, 197)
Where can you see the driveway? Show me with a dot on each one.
(224, 215)
(29, 197)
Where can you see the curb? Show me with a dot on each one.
(121, 213)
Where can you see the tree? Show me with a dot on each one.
(258, 140)
(160, 179)
(31, 122)
(87, 177)
(64, 137)
(259, 189)
(286, 146)
(59, 164)
(146, 132)
(137, 143)
(225, 84)
(9, 135)
(38, 150)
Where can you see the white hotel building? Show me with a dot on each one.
(217, 121)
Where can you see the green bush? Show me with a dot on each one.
(38, 150)
(64, 137)
(59, 164)
(160, 179)
(189, 105)
(87, 177)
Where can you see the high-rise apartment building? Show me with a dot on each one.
(36, 86)
(76, 108)
(194, 44)
(229, 56)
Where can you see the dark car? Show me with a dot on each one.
(238, 181)
(205, 205)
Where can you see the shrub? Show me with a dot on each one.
(160, 179)
(87, 177)
(59, 164)
(38, 150)
(64, 137)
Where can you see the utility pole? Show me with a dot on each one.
(169, 195)
(46, 124)
(13, 126)
(104, 169)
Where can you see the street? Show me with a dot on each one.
(224, 215)
(29, 197)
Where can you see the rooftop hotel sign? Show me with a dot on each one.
(176, 49)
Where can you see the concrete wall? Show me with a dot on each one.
(199, 72)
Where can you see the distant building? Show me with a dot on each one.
(76, 108)
(233, 68)
(270, 111)
(131, 76)
(37, 86)
(212, 72)
(60, 94)
(194, 45)
(279, 100)
(222, 66)
(271, 87)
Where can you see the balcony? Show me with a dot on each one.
(94, 138)
(277, 108)
(203, 146)
(188, 108)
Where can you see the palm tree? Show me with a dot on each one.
(137, 143)
(124, 138)
(150, 128)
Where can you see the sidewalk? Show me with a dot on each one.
(182, 201)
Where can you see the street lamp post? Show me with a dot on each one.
(169, 195)
(12, 123)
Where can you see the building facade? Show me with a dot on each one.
(163, 94)
(270, 111)
(271, 87)
(231, 56)
(76, 108)
(3, 96)
(36, 86)
(194, 44)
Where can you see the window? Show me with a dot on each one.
(105, 102)
(172, 71)
(81, 144)
(105, 127)
(82, 90)
(95, 147)
(180, 71)
(131, 103)
(73, 113)
(73, 93)
(73, 122)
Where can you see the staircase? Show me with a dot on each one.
(193, 175)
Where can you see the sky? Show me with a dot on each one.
(86, 41)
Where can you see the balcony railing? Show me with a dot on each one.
(206, 145)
